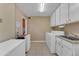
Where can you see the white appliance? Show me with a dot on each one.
(51, 38)
(27, 42)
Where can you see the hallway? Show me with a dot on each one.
(38, 49)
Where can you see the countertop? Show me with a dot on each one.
(8, 46)
(71, 41)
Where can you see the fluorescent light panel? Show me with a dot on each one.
(61, 26)
(42, 6)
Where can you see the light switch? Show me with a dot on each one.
(0, 20)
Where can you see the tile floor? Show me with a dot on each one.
(39, 49)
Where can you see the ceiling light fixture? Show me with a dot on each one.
(42, 6)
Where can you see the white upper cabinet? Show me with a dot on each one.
(73, 12)
(53, 19)
(58, 16)
(64, 13)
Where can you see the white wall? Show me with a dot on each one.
(7, 26)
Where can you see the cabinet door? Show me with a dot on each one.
(53, 19)
(66, 51)
(48, 39)
(52, 46)
(58, 46)
(58, 16)
(74, 12)
(66, 48)
(58, 49)
(64, 13)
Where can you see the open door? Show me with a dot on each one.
(23, 25)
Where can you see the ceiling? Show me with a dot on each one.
(32, 9)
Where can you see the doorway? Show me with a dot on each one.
(37, 26)
(23, 26)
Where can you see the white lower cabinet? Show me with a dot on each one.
(52, 44)
(66, 51)
(65, 48)
(58, 49)
(48, 38)
(51, 40)
(58, 46)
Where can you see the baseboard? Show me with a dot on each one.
(38, 41)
